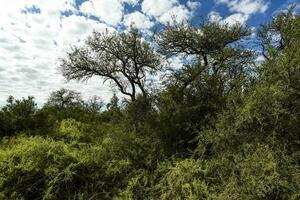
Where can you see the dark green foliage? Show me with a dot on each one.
(197, 93)
(222, 127)
(17, 115)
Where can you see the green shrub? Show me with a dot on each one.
(183, 180)
(71, 129)
(37, 168)
(255, 171)
(43, 168)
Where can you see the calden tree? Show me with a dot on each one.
(124, 59)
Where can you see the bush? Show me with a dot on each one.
(183, 180)
(36, 167)
(255, 171)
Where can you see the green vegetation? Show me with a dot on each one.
(222, 127)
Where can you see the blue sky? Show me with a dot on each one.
(35, 33)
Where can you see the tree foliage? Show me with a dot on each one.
(125, 59)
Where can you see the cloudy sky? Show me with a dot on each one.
(35, 33)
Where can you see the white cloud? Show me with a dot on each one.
(236, 18)
(109, 11)
(176, 14)
(157, 7)
(131, 2)
(260, 59)
(32, 42)
(12, 9)
(193, 5)
(246, 7)
(230, 20)
(75, 29)
(176, 62)
(214, 16)
(138, 19)
(53, 7)
(168, 11)
(45, 6)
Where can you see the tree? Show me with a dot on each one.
(215, 49)
(20, 107)
(124, 59)
(17, 116)
(274, 37)
(94, 104)
(114, 103)
(64, 98)
(198, 92)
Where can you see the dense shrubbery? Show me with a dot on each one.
(220, 129)
(38, 167)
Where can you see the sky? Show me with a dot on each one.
(34, 34)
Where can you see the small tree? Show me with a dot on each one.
(64, 98)
(114, 103)
(124, 59)
(94, 104)
(17, 116)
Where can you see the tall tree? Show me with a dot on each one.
(199, 91)
(125, 59)
(214, 46)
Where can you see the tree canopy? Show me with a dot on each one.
(125, 59)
